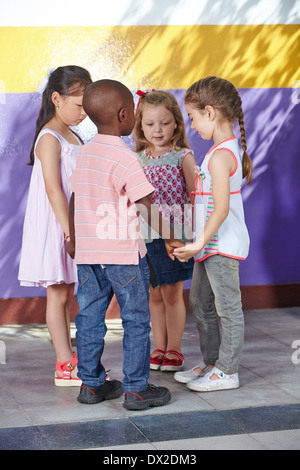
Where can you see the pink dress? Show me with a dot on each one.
(44, 259)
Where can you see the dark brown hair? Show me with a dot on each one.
(165, 98)
(222, 95)
(67, 81)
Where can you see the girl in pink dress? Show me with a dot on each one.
(44, 259)
(169, 165)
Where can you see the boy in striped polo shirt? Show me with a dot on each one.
(108, 185)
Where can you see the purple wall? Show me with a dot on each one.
(272, 201)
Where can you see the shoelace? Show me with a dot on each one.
(152, 387)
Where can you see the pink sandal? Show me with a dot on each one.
(172, 364)
(66, 368)
(155, 362)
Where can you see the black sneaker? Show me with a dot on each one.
(152, 396)
(91, 395)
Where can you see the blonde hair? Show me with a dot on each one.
(166, 99)
(222, 95)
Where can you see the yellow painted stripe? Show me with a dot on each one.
(153, 56)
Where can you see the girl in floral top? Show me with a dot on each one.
(169, 165)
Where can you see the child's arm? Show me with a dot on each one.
(151, 214)
(70, 245)
(221, 165)
(48, 151)
(188, 168)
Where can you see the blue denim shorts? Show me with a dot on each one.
(166, 270)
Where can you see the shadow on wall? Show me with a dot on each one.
(271, 201)
(184, 55)
(17, 117)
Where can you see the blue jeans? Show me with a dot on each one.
(96, 286)
(215, 293)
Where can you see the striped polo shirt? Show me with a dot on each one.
(107, 182)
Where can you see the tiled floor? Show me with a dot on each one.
(264, 413)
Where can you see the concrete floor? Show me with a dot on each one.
(264, 413)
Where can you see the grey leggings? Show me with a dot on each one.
(215, 293)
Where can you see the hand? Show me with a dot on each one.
(70, 247)
(170, 247)
(186, 252)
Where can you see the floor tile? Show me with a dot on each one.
(267, 418)
(20, 438)
(185, 426)
(90, 434)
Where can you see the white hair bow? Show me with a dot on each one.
(44, 82)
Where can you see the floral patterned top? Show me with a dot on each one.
(165, 173)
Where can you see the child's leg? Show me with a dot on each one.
(175, 315)
(131, 287)
(223, 274)
(56, 318)
(94, 295)
(158, 319)
(202, 306)
(68, 310)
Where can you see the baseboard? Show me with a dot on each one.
(271, 296)
(23, 311)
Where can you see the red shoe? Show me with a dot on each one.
(156, 361)
(66, 368)
(172, 364)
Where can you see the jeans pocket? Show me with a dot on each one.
(83, 274)
(121, 275)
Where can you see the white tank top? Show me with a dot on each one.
(232, 238)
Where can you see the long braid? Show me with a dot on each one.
(246, 161)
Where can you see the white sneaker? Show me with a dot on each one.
(189, 375)
(224, 382)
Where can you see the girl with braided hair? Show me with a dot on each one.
(220, 235)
